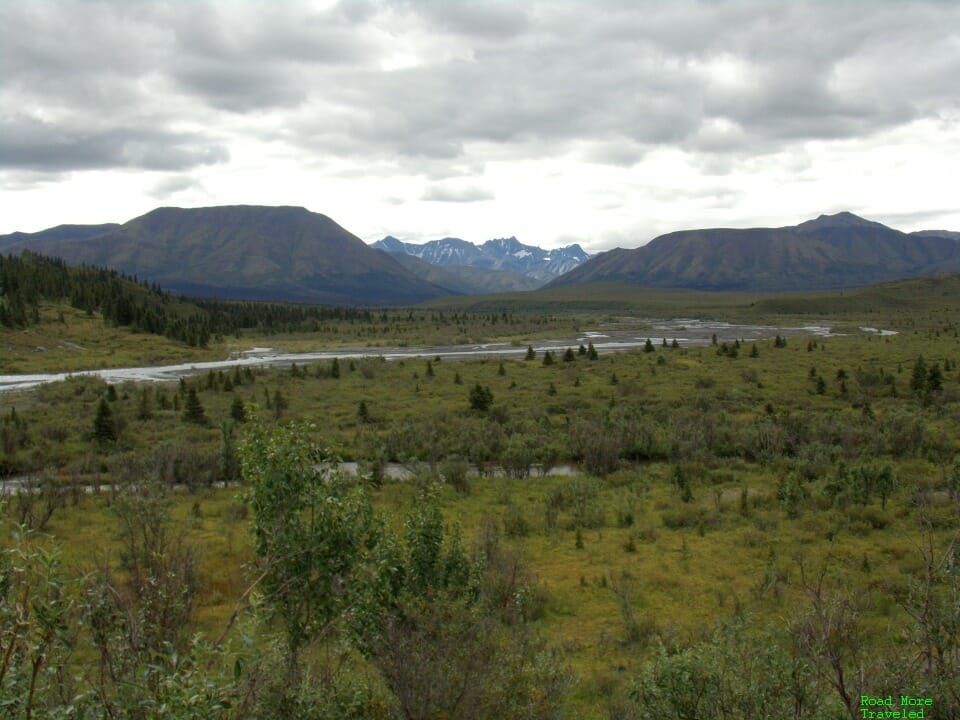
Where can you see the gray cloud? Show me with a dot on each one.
(493, 20)
(28, 143)
(95, 85)
(929, 219)
(172, 185)
(19, 180)
(459, 194)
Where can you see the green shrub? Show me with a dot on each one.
(515, 523)
(685, 517)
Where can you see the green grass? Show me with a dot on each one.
(682, 582)
(85, 342)
(82, 342)
(928, 302)
(687, 564)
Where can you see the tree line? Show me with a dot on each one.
(30, 279)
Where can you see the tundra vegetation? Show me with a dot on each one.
(672, 532)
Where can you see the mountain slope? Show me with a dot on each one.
(246, 252)
(60, 232)
(833, 251)
(937, 233)
(466, 279)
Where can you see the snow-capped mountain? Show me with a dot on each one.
(499, 254)
(449, 251)
(511, 254)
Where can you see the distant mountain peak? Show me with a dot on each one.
(506, 253)
(389, 244)
(503, 242)
(842, 219)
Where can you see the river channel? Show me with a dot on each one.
(607, 337)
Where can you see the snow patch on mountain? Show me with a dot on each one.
(497, 254)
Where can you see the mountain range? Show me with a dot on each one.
(291, 254)
(501, 254)
(832, 251)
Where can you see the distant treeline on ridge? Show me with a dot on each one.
(30, 279)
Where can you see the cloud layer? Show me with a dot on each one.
(409, 103)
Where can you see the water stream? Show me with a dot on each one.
(608, 337)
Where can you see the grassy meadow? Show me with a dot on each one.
(681, 524)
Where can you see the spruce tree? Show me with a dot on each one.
(481, 398)
(918, 380)
(144, 410)
(363, 414)
(237, 411)
(531, 353)
(193, 411)
(104, 427)
(229, 464)
(279, 404)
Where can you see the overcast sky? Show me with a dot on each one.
(604, 123)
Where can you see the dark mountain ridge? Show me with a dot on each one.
(291, 254)
(937, 233)
(832, 251)
(244, 252)
(60, 232)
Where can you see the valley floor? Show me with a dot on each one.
(720, 485)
